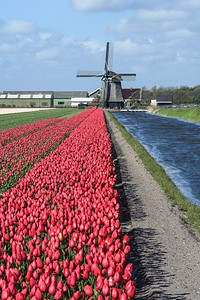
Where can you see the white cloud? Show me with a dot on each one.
(45, 35)
(101, 5)
(161, 15)
(17, 27)
(5, 47)
(145, 22)
(93, 46)
(46, 54)
(134, 5)
(126, 46)
(181, 33)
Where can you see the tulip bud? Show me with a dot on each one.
(127, 249)
(43, 286)
(60, 285)
(60, 236)
(110, 271)
(105, 290)
(131, 291)
(88, 290)
(38, 294)
(114, 293)
(19, 296)
(126, 239)
(59, 295)
(5, 294)
(105, 263)
(123, 296)
(77, 295)
(52, 289)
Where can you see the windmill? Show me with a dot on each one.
(111, 92)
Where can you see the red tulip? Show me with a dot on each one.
(88, 290)
(32, 282)
(60, 285)
(127, 249)
(77, 295)
(85, 274)
(105, 263)
(20, 296)
(131, 291)
(52, 289)
(111, 271)
(43, 286)
(115, 293)
(38, 294)
(58, 295)
(123, 296)
(5, 294)
(105, 290)
(126, 239)
(66, 205)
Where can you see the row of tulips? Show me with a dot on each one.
(60, 235)
(16, 132)
(19, 155)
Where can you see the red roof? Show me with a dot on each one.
(127, 93)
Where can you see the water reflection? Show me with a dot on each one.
(174, 143)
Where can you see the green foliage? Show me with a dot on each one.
(181, 113)
(13, 120)
(181, 95)
(135, 97)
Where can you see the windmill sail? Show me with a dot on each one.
(109, 57)
(83, 73)
(111, 92)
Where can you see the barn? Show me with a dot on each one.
(44, 98)
(26, 99)
(164, 100)
(69, 98)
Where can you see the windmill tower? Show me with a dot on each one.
(111, 92)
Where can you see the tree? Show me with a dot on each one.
(154, 91)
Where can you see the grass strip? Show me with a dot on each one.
(13, 120)
(190, 211)
(192, 115)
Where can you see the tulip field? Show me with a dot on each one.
(60, 234)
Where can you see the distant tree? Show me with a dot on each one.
(154, 91)
(135, 97)
(181, 95)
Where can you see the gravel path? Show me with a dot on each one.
(168, 254)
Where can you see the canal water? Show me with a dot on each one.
(173, 143)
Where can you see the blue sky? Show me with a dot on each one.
(43, 43)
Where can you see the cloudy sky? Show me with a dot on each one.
(44, 42)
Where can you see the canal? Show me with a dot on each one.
(173, 143)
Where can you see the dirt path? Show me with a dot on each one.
(169, 255)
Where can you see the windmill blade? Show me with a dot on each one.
(82, 73)
(127, 76)
(109, 57)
